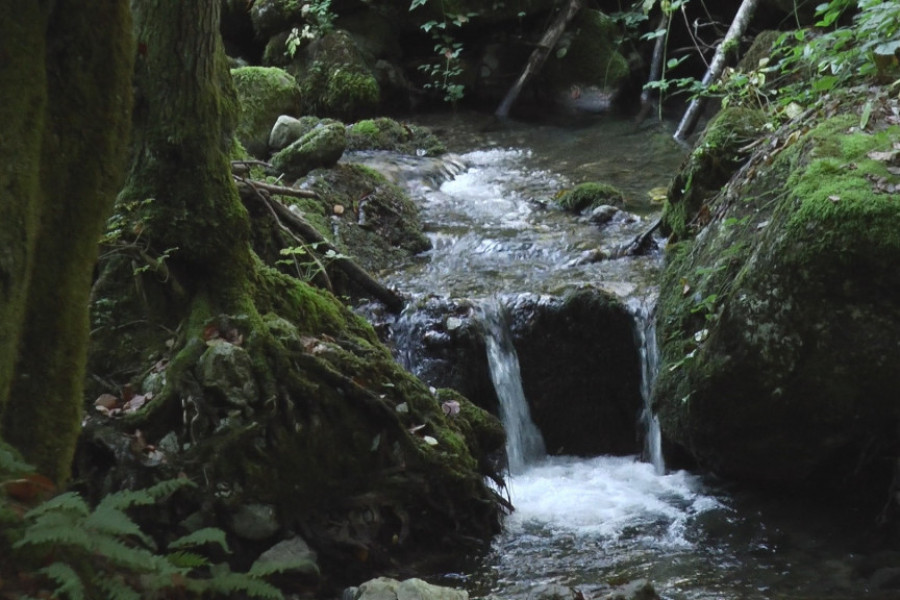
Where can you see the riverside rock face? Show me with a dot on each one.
(778, 323)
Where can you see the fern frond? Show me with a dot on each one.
(11, 464)
(264, 568)
(126, 499)
(187, 560)
(111, 521)
(130, 558)
(230, 583)
(114, 588)
(68, 582)
(68, 502)
(207, 535)
(58, 529)
(166, 488)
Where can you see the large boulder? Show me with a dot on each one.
(264, 93)
(581, 370)
(778, 320)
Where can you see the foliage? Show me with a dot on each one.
(444, 73)
(866, 48)
(64, 546)
(320, 21)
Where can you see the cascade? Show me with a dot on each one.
(645, 333)
(524, 443)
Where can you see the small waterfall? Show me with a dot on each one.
(645, 332)
(523, 440)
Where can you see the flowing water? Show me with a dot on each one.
(592, 524)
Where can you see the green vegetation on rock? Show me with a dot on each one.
(590, 195)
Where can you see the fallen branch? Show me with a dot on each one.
(640, 245)
(551, 36)
(738, 26)
(391, 299)
(655, 71)
(279, 190)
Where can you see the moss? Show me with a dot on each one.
(387, 134)
(720, 149)
(590, 195)
(265, 93)
(838, 202)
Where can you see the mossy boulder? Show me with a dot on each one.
(383, 133)
(590, 195)
(589, 58)
(371, 219)
(264, 93)
(273, 16)
(320, 147)
(721, 148)
(778, 321)
(335, 78)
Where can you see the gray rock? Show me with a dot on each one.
(639, 589)
(603, 214)
(384, 588)
(285, 132)
(551, 591)
(227, 371)
(320, 148)
(255, 522)
(290, 557)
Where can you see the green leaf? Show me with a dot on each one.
(207, 535)
(68, 582)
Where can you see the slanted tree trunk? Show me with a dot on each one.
(539, 55)
(65, 99)
(732, 38)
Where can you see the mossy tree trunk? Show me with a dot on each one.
(65, 99)
(185, 109)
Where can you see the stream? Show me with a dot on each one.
(595, 524)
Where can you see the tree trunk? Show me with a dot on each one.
(732, 38)
(65, 97)
(185, 110)
(551, 36)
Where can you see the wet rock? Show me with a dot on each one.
(640, 589)
(384, 588)
(441, 341)
(264, 94)
(321, 147)
(255, 522)
(603, 214)
(580, 370)
(387, 134)
(293, 562)
(551, 591)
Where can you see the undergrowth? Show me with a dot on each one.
(57, 546)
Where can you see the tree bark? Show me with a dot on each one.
(551, 36)
(732, 37)
(65, 95)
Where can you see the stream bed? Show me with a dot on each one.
(592, 524)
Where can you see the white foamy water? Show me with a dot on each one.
(606, 497)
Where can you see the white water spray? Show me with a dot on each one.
(524, 443)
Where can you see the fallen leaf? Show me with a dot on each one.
(107, 401)
(416, 428)
(451, 407)
(429, 440)
(834, 199)
(28, 488)
(137, 402)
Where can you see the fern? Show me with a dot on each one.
(114, 522)
(70, 502)
(11, 464)
(231, 583)
(207, 535)
(187, 560)
(55, 529)
(114, 588)
(264, 568)
(68, 582)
